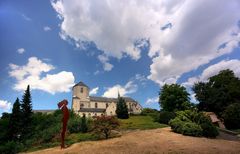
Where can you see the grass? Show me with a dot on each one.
(236, 130)
(140, 122)
(134, 122)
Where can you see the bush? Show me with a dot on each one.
(193, 124)
(231, 116)
(103, 125)
(191, 129)
(11, 147)
(166, 116)
(147, 111)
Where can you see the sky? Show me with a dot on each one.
(130, 46)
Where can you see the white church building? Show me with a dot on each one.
(82, 103)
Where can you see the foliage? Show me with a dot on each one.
(122, 110)
(140, 122)
(26, 114)
(232, 116)
(220, 91)
(78, 124)
(4, 124)
(147, 111)
(174, 98)
(104, 125)
(193, 123)
(14, 131)
(84, 126)
(191, 129)
(11, 147)
(165, 117)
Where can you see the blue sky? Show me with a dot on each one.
(130, 46)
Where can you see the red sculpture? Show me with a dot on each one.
(63, 106)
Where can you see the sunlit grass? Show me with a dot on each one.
(140, 122)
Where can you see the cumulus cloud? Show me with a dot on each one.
(32, 74)
(94, 91)
(214, 69)
(46, 28)
(104, 60)
(182, 34)
(152, 100)
(129, 88)
(20, 50)
(5, 105)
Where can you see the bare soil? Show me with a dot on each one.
(151, 142)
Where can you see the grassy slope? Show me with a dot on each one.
(134, 122)
(140, 122)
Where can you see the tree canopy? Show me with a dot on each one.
(174, 98)
(218, 92)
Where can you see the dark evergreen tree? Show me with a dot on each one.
(15, 122)
(122, 110)
(174, 98)
(26, 113)
(84, 127)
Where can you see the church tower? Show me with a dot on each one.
(80, 94)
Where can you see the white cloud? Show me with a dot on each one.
(152, 100)
(46, 28)
(5, 105)
(26, 17)
(106, 65)
(128, 88)
(214, 69)
(94, 91)
(197, 29)
(32, 74)
(20, 50)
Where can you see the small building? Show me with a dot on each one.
(82, 103)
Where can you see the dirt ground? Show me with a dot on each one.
(152, 142)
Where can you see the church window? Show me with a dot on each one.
(106, 105)
(96, 105)
(81, 106)
(81, 90)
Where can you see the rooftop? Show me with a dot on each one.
(81, 84)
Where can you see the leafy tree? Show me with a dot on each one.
(26, 113)
(220, 91)
(104, 125)
(174, 98)
(122, 110)
(15, 121)
(232, 116)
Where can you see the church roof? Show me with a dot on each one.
(91, 110)
(81, 84)
(105, 99)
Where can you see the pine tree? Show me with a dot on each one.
(122, 110)
(26, 113)
(15, 121)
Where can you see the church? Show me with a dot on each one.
(82, 103)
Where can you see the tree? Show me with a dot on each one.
(174, 98)
(122, 110)
(26, 113)
(218, 92)
(84, 126)
(15, 121)
(231, 116)
(104, 125)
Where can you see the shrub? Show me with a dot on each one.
(166, 116)
(191, 129)
(193, 123)
(74, 125)
(103, 125)
(147, 111)
(231, 116)
(176, 125)
(11, 147)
